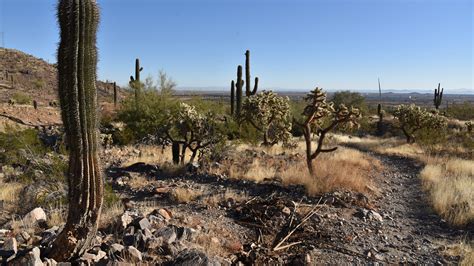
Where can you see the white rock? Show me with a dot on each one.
(134, 254)
(35, 216)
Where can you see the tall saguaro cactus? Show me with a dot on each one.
(249, 92)
(115, 94)
(135, 81)
(239, 92)
(232, 97)
(438, 96)
(77, 63)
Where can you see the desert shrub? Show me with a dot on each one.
(14, 142)
(38, 84)
(110, 197)
(192, 130)
(464, 111)
(21, 98)
(417, 122)
(24, 151)
(143, 121)
(270, 115)
(349, 98)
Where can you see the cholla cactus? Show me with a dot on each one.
(318, 110)
(412, 118)
(269, 114)
(468, 125)
(192, 130)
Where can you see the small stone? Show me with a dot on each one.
(35, 216)
(286, 211)
(133, 254)
(25, 235)
(31, 259)
(165, 214)
(50, 262)
(144, 224)
(10, 247)
(373, 215)
(126, 219)
(215, 240)
(167, 233)
(116, 248)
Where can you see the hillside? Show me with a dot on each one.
(24, 74)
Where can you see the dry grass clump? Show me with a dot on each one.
(110, 213)
(343, 169)
(10, 191)
(185, 195)
(450, 184)
(214, 199)
(464, 249)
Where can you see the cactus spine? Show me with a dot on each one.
(249, 92)
(239, 92)
(438, 96)
(135, 81)
(77, 63)
(232, 98)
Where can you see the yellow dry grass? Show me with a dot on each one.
(213, 200)
(110, 213)
(450, 185)
(343, 169)
(185, 195)
(10, 191)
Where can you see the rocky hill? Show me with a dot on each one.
(25, 76)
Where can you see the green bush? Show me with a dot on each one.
(23, 150)
(21, 98)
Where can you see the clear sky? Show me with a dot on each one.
(409, 44)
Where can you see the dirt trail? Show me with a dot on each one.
(411, 227)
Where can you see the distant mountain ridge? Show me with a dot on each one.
(404, 91)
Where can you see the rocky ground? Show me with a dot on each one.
(214, 220)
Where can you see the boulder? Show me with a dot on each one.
(133, 254)
(193, 257)
(10, 248)
(32, 258)
(35, 216)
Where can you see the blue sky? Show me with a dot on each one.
(409, 44)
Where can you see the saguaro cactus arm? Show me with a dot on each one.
(77, 61)
(438, 96)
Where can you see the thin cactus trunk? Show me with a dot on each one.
(239, 85)
(77, 62)
(115, 94)
(438, 96)
(232, 98)
(175, 152)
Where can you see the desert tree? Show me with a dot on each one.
(320, 117)
(77, 62)
(167, 84)
(188, 129)
(270, 114)
(412, 119)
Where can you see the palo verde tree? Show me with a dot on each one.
(321, 117)
(270, 114)
(77, 62)
(188, 129)
(412, 119)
